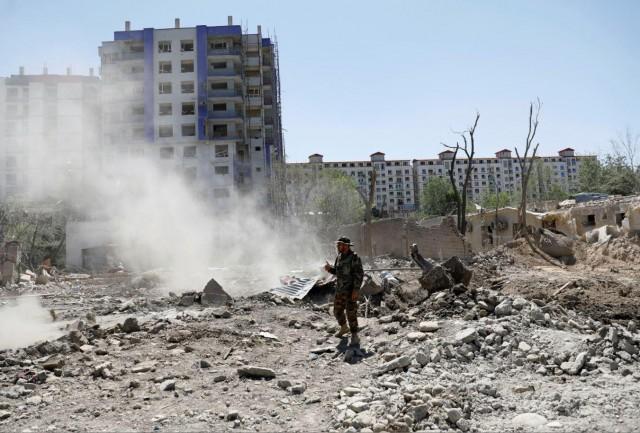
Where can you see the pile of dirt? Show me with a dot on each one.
(621, 251)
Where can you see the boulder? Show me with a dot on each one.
(130, 325)
(459, 272)
(438, 278)
(214, 294)
(529, 420)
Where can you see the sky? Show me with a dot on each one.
(394, 76)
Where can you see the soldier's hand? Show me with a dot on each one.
(327, 266)
(354, 295)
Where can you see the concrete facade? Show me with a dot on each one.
(400, 183)
(202, 101)
(49, 130)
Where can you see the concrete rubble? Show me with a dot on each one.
(499, 341)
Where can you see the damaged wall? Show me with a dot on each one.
(394, 236)
(484, 234)
(623, 213)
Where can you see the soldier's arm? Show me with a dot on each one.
(329, 268)
(358, 273)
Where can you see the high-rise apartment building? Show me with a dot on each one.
(400, 183)
(203, 101)
(49, 131)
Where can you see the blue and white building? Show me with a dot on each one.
(203, 101)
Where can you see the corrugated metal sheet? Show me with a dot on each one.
(295, 287)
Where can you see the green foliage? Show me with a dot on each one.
(438, 197)
(329, 195)
(489, 199)
(613, 175)
(40, 231)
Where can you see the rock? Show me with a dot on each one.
(359, 406)
(628, 346)
(438, 278)
(573, 368)
(465, 336)
(429, 326)
(363, 419)
(524, 347)
(102, 370)
(298, 388)
(284, 383)
(78, 338)
(454, 415)
(420, 412)
(536, 314)
(416, 336)
(177, 336)
(504, 308)
(256, 372)
(4, 414)
(459, 272)
(52, 362)
(321, 350)
(232, 415)
(214, 294)
(220, 313)
(632, 326)
(401, 362)
(351, 391)
(463, 424)
(143, 367)
(168, 385)
(529, 420)
(219, 378)
(187, 299)
(422, 358)
(487, 389)
(130, 325)
(519, 303)
(34, 401)
(203, 363)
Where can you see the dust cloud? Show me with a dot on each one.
(23, 321)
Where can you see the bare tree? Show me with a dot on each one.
(526, 162)
(626, 147)
(468, 148)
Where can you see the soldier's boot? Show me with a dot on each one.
(344, 329)
(355, 340)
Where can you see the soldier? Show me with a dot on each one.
(349, 273)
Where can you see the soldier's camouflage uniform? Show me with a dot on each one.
(349, 273)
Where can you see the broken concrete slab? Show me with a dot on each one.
(460, 273)
(214, 294)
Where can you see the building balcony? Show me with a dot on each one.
(222, 72)
(216, 137)
(252, 62)
(225, 94)
(268, 100)
(224, 115)
(255, 121)
(223, 52)
(131, 56)
(253, 81)
(254, 101)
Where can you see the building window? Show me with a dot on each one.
(219, 86)
(219, 107)
(11, 179)
(164, 46)
(11, 161)
(137, 110)
(221, 169)
(165, 109)
(258, 169)
(187, 87)
(186, 66)
(188, 108)
(189, 130)
(189, 152)
(258, 148)
(219, 131)
(190, 174)
(166, 152)
(218, 45)
(186, 46)
(164, 88)
(164, 67)
(165, 131)
(222, 150)
(219, 65)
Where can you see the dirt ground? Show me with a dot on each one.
(557, 361)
